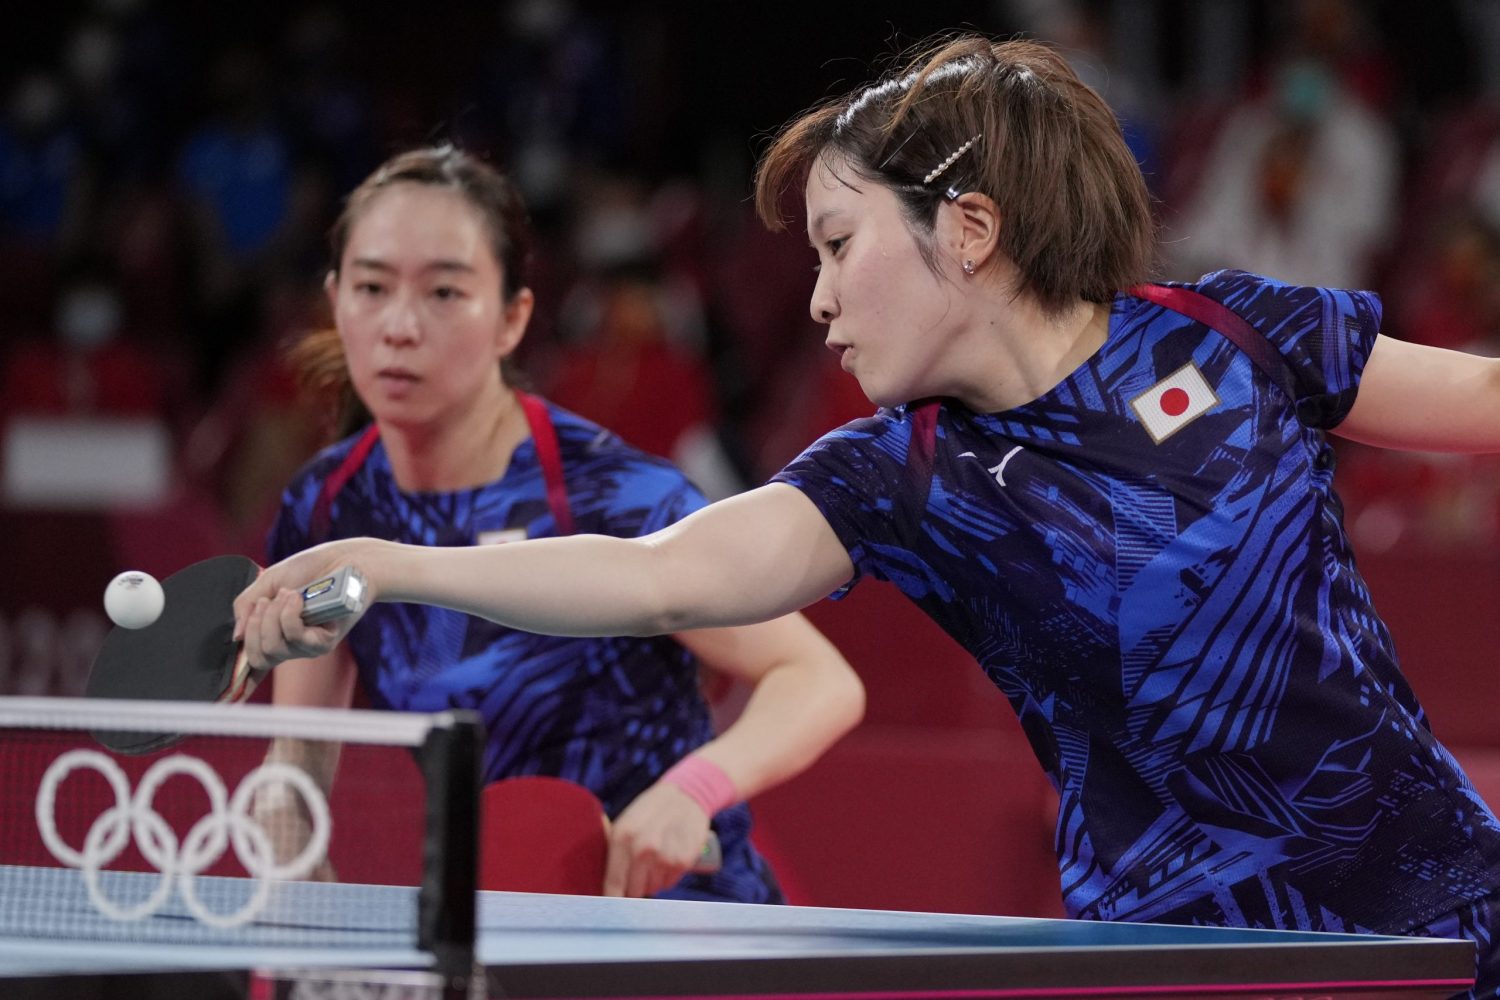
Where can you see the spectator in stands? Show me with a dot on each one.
(1301, 183)
(633, 334)
(90, 366)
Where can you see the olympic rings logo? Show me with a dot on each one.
(229, 821)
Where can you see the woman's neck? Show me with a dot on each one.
(470, 449)
(1016, 353)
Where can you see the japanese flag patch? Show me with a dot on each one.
(1174, 402)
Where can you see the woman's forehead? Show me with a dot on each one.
(832, 172)
(835, 192)
(419, 220)
(831, 186)
(419, 207)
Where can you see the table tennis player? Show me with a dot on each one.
(429, 295)
(1118, 497)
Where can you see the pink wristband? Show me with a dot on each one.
(704, 782)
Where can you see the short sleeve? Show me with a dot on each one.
(859, 478)
(1325, 335)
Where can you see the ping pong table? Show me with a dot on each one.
(532, 945)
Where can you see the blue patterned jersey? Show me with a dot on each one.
(611, 714)
(1149, 562)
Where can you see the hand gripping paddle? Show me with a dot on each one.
(544, 834)
(188, 653)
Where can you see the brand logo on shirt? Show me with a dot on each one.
(1174, 402)
(998, 471)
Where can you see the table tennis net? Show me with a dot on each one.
(228, 838)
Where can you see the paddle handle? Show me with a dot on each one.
(342, 593)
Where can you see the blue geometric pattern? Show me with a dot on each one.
(1180, 626)
(611, 714)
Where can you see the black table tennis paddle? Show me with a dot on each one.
(188, 653)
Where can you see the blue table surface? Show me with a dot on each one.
(49, 926)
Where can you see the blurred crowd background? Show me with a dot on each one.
(169, 170)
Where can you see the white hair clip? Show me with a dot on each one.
(960, 151)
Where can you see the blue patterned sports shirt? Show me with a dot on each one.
(1149, 562)
(611, 714)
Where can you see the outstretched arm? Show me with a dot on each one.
(751, 558)
(746, 559)
(1423, 398)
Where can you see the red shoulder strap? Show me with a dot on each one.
(317, 529)
(1220, 318)
(923, 437)
(544, 440)
(543, 437)
(923, 445)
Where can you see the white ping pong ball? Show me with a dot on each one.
(133, 599)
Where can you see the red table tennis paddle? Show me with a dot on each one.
(544, 834)
(188, 653)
